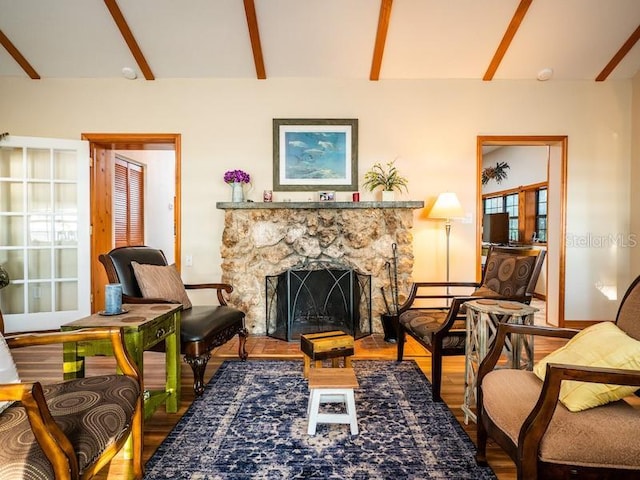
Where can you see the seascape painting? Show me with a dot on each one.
(311, 156)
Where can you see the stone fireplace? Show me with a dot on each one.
(266, 239)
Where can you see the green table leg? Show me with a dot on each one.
(173, 367)
(73, 364)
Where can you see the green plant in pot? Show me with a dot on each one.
(386, 177)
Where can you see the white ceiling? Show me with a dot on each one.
(445, 39)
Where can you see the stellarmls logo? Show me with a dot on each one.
(589, 240)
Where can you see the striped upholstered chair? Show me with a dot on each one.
(509, 274)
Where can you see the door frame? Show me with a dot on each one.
(560, 141)
(101, 179)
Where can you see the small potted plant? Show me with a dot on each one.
(388, 178)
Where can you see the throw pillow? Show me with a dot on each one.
(600, 345)
(161, 281)
(8, 371)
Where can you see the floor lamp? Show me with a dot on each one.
(447, 207)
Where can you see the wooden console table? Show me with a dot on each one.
(144, 326)
(483, 318)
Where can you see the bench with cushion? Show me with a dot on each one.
(146, 278)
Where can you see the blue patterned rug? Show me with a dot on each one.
(251, 424)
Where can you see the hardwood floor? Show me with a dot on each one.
(44, 364)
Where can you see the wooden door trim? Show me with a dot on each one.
(140, 141)
(529, 140)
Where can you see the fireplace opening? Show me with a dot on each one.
(318, 297)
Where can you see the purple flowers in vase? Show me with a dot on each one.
(236, 176)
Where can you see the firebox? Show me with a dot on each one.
(317, 297)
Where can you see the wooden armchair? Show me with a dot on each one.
(70, 430)
(509, 274)
(543, 437)
(202, 327)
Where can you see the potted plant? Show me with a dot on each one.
(388, 178)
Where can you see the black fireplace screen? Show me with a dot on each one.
(316, 298)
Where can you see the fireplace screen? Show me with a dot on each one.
(316, 298)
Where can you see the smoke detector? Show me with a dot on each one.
(545, 74)
(129, 73)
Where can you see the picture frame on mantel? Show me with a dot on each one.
(315, 154)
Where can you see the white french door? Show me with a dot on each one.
(44, 232)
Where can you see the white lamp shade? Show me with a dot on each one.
(447, 206)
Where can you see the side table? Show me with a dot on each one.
(144, 326)
(483, 318)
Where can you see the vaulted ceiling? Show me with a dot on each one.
(366, 39)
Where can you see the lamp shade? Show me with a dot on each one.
(447, 206)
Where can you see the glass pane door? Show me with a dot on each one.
(44, 232)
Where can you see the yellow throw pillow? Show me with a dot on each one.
(161, 281)
(600, 345)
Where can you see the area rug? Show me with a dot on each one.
(251, 424)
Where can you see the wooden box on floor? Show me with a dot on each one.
(326, 345)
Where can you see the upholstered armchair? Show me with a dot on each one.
(146, 278)
(437, 320)
(68, 430)
(568, 418)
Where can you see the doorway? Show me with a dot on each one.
(555, 221)
(102, 147)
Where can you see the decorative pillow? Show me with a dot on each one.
(600, 345)
(508, 275)
(161, 281)
(8, 371)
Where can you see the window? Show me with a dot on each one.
(541, 215)
(527, 209)
(128, 203)
(511, 207)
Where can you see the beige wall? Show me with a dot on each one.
(429, 126)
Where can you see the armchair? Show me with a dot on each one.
(509, 274)
(527, 418)
(70, 430)
(202, 328)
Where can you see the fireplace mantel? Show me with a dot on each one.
(316, 205)
(262, 239)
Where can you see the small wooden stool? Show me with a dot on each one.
(332, 386)
(325, 345)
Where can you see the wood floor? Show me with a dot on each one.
(44, 364)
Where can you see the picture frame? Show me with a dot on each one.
(326, 196)
(315, 154)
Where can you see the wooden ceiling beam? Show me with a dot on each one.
(513, 27)
(254, 35)
(18, 57)
(617, 58)
(116, 13)
(381, 38)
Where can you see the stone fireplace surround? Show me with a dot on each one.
(261, 239)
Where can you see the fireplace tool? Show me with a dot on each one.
(390, 319)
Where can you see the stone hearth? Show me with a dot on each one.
(262, 239)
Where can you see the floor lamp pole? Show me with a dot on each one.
(447, 227)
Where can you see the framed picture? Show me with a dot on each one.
(325, 196)
(315, 154)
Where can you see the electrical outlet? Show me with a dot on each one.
(188, 260)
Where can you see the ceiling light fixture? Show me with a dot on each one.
(129, 73)
(545, 74)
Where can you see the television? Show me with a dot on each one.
(495, 228)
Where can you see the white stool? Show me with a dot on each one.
(333, 385)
